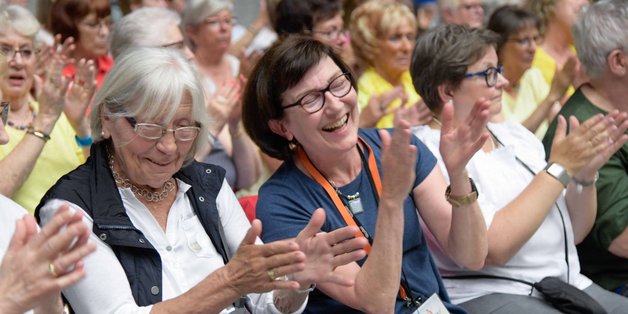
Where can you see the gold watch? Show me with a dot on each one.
(457, 201)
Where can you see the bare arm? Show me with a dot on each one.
(246, 157)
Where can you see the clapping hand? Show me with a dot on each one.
(324, 251)
(80, 92)
(225, 106)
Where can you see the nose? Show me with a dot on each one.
(167, 144)
(502, 81)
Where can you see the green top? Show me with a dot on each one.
(606, 269)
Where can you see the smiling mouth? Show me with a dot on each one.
(337, 125)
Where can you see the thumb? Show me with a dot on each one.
(20, 236)
(314, 225)
(561, 128)
(254, 232)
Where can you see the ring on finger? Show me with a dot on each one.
(271, 274)
(52, 270)
(221, 100)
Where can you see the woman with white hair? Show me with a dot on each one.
(207, 25)
(44, 141)
(170, 234)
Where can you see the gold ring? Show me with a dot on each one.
(271, 274)
(52, 270)
(221, 100)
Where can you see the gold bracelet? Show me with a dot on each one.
(458, 201)
(38, 133)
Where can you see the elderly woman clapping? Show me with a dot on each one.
(171, 235)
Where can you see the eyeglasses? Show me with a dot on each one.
(26, 53)
(314, 101)
(527, 41)
(490, 75)
(216, 23)
(152, 131)
(4, 112)
(332, 34)
(98, 25)
(178, 45)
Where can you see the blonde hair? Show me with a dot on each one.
(544, 10)
(371, 21)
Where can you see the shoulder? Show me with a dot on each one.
(203, 175)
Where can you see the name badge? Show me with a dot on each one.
(433, 305)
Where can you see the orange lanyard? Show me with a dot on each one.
(348, 217)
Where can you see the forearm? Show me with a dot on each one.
(246, 159)
(467, 243)
(17, 166)
(514, 224)
(540, 114)
(619, 246)
(211, 295)
(582, 208)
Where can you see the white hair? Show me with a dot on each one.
(151, 83)
(20, 20)
(198, 10)
(142, 28)
(600, 28)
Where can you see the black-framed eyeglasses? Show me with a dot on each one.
(153, 131)
(527, 41)
(26, 52)
(4, 112)
(314, 101)
(332, 34)
(490, 75)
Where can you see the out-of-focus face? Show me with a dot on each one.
(149, 162)
(473, 88)
(468, 12)
(18, 69)
(93, 36)
(177, 5)
(155, 3)
(332, 32)
(566, 11)
(213, 33)
(174, 39)
(519, 48)
(395, 50)
(331, 130)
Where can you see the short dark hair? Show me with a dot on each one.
(300, 16)
(443, 55)
(509, 19)
(282, 67)
(65, 15)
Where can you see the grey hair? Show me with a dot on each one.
(20, 20)
(150, 82)
(448, 4)
(142, 28)
(198, 10)
(600, 28)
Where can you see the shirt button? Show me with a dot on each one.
(103, 236)
(208, 171)
(142, 240)
(200, 198)
(154, 290)
(168, 248)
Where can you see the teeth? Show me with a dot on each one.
(338, 123)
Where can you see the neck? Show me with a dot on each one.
(606, 94)
(392, 77)
(341, 169)
(208, 59)
(556, 40)
(513, 74)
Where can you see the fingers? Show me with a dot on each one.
(561, 128)
(62, 241)
(20, 236)
(254, 232)
(314, 225)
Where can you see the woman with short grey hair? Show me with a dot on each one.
(170, 233)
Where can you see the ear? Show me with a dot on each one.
(445, 93)
(617, 63)
(278, 127)
(105, 122)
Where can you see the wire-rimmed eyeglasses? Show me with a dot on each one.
(490, 75)
(153, 131)
(314, 101)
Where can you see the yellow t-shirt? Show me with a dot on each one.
(59, 156)
(371, 83)
(532, 91)
(547, 65)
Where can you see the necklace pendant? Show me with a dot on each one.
(355, 204)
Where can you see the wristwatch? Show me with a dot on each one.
(558, 172)
(457, 201)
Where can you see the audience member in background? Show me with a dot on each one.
(301, 106)
(45, 141)
(252, 40)
(148, 27)
(426, 15)
(176, 5)
(138, 4)
(207, 25)
(535, 213)
(528, 99)
(383, 36)
(462, 12)
(556, 48)
(601, 39)
(170, 233)
(88, 23)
